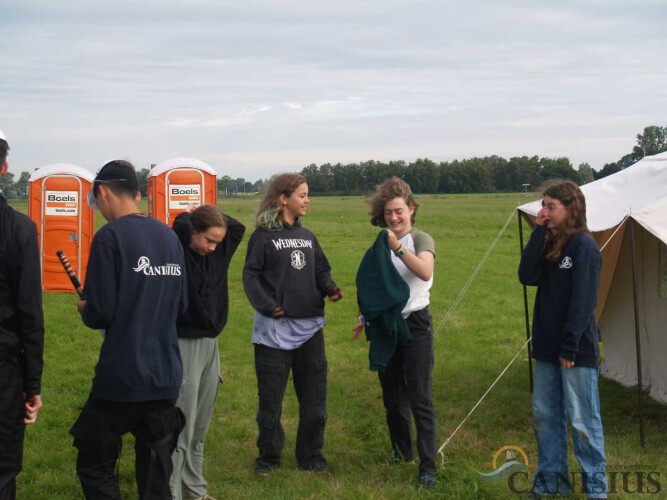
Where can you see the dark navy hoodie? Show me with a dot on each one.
(564, 324)
(287, 268)
(208, 292)
(135, 288)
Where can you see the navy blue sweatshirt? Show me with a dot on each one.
(564, 324)
(21, 317)
(288, 269)
(208, 293)
(135, 288)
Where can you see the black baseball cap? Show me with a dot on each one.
(114, 171)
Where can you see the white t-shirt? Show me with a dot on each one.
(415, 241)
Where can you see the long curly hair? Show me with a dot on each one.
(394, 187)
(569, 194)
(269, 213)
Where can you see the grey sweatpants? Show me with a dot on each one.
(201, 376)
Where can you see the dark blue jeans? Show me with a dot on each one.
(309, 372)
(406, 388)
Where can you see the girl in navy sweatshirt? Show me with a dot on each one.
(563, 261)
(286, 277)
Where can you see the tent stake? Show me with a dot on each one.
(640, 391)
(525, 310)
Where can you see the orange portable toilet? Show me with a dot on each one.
(173, 185)
(57, 205)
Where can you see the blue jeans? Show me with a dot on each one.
(562, 394)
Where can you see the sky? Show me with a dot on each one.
(256, 87)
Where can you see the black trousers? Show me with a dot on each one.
(309, 372)
(406, 387)
(97, 435)
(12, 428)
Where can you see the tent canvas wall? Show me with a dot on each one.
(626, 207)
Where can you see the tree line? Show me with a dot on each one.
(471, 175)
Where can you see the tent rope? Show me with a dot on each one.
(473, 276)
(440, 450)
(620, 225)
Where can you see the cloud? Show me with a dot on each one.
(285, 84)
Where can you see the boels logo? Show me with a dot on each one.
(182, 196)
(177, 191)
(61, 203)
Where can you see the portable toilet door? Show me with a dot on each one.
(174, 185)
(57, 205)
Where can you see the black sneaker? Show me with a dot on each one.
(427, 479)
(262, 469)
(319, 465)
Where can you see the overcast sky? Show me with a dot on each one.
(254, 87)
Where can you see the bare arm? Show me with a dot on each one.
(421, 264)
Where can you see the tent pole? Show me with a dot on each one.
(640, 391)
(525, 309)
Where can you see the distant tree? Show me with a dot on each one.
(225, 184)
(7, 185)
(526, 171)
(239, 185)
(557, 168)
(21, 185)
(423, 176)
(585, 172)
(651, 142)
(259, 185)
(142, 177)
(608, 169)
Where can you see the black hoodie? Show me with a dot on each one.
(208, 293)
(21, 317)
(288, 269)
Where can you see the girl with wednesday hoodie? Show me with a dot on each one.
(286, 277)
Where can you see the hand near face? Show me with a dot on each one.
(393, 240)
(541, 217)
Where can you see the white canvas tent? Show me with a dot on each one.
(627, 214)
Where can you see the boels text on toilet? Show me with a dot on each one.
(65, 203)
(181, 196)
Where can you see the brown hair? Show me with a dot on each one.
(270, 207)
(207, 216)
(387, 191)
(569, 194)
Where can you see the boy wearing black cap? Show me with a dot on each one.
(21, 334)
(135, 288)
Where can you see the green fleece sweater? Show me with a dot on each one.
(382, 294)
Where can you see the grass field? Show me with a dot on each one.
(480, 338)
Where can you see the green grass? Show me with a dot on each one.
(480, 338)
